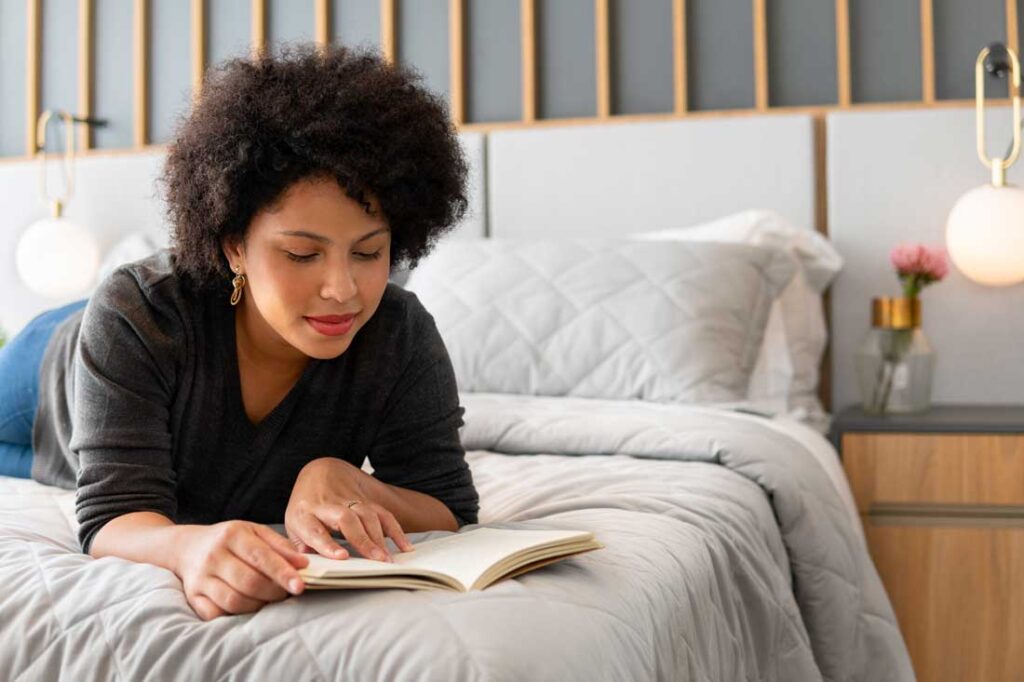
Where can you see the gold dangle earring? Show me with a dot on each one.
(238, 282)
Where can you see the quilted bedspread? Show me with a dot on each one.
(730, 554)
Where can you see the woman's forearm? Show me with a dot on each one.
(415, 511)
(145, 537)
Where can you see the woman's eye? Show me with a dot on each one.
(300, 257)
(369, 256)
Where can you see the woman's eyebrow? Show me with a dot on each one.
(327, 240)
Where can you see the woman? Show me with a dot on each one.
(243, 376)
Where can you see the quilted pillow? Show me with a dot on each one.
(603, 318)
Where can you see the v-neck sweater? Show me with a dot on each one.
(141, 409)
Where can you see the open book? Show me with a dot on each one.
(461, 562)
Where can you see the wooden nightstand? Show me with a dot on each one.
(941, 495)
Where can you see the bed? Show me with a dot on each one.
(732, 547)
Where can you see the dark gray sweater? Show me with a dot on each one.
(140, 408)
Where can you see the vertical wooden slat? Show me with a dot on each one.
(32, 21)
(528, 42)
(1012, 34)
(258, 26)
(760, 55)
(604, 99)
(679, 55)
(927, 53)
(198, 47)
(843, 52)
(140, 59)
(323, 18)
(456, 56)
(84, 70)
(387, 29)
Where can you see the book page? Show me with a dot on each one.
(463, 556)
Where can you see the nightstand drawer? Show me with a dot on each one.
(893, 471)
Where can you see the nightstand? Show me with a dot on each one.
(941, 496)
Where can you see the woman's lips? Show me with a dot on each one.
(332, 325)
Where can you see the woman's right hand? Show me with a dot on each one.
(236, 567)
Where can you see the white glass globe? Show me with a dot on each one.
(57, 258)
(985, 235)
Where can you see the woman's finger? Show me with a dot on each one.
(311, 530)
(351, 526)
(258, 550)
(229, 599)
(204, 607)
(281, 544)
(395, 532)
(250, 581)
(371, 522)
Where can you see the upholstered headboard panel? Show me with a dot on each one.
(607, 180)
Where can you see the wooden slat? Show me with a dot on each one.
(927, 52)
(601, 41)
(1012, 32)
(32, 36)
(323, 20)
(760, 56)
(679, 56)
(258, 26)
(843, 52)
(198, 47)
(140, 61)
(456, 57)
(528, 42)
(85, 68)
(387, 29)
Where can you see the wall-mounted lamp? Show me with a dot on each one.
(56, 257)
(985, 229)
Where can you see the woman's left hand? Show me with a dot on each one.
(321, 502)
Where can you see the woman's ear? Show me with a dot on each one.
(233, 251)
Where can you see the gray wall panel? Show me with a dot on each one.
(227, 29)
(641, 56)
(493, 70)
(356, 22)
(961, 30)
(58, 86)
(112, 75)
(290, 21)
(12, 79)
(566, 59)
(885, 50)
(720, 54)
(801, 52)
(170, 66)
(422, 27)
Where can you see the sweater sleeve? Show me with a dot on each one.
(123, 391)
(417, 445)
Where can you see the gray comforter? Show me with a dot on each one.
(730, 555)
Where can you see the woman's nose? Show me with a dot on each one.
(339, 285)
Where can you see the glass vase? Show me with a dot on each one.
(895, 363)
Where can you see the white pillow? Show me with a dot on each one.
(602, 318)
(787, 369)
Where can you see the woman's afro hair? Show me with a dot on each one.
(264, 123)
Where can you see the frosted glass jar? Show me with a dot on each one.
(894, 362)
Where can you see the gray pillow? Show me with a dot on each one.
(603, 318)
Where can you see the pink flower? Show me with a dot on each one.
(921, 261)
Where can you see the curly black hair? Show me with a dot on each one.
(298, 112)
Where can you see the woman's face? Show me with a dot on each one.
(312, 261)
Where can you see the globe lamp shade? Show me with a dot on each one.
(985, 235)
(57, 258)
